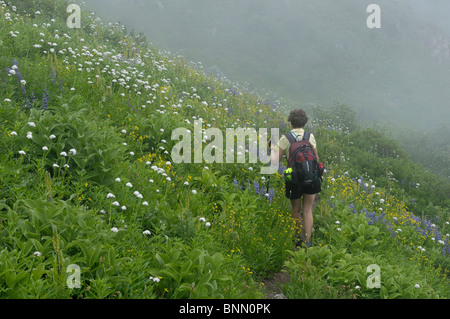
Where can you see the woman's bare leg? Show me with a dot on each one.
(297, 214)
(308, 201)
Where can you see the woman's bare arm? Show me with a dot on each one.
(276, 155)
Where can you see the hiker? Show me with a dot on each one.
(298, 120)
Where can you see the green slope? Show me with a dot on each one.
(316, 53)
(309, 53)
(87, 181)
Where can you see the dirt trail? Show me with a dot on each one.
(274, 285)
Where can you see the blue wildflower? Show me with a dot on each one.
(45, 99)
(271, 195)
(52, 75)
(256, 187)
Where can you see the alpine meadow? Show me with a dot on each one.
(93, 206)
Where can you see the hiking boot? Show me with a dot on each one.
(303, 244)
(299, 240)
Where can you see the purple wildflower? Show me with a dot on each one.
(271, 195)
(52, 75)
(256, 187)
(45, 98)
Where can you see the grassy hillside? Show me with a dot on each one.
(316, 54)
(309, 53)
(87, 182)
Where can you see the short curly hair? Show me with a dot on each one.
(298, 118)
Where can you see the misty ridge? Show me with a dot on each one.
(318, 53)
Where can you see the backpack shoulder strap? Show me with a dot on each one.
(290, 138)
(306, 136)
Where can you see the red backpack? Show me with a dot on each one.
(302, 160)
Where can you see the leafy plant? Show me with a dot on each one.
(187, 273)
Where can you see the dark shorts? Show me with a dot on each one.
(295, 191)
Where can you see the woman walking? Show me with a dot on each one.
(301, 196)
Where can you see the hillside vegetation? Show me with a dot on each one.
(89, 190)
(318, 53)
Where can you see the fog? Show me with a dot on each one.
(436, 12)
(313, 52)
(310, 53)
